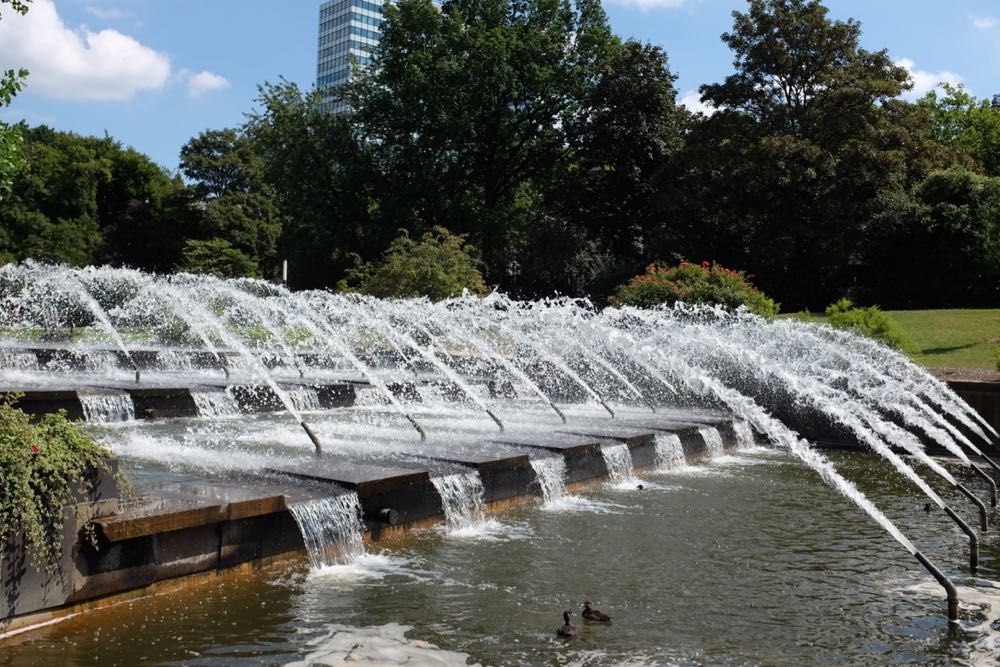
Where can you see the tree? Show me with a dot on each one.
(11, 83)
(320, 179)
(965, 123)
(217, 257)
(807, 141)
(441, 265)
(236, 202)
(473, 117)
(950, 229)
(82, 200)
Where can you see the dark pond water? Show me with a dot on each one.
(742, 561)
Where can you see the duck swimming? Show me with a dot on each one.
(592, 614)
(567, 630)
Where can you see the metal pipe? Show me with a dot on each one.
(137, 377)
(312, 436)
(416, 425)
(973, 540)
(610, 411)
(989, 480)
(984, 522)
(495, 418)
(945, 582)
(992, 463)
(558, 411)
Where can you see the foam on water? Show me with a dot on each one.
(368, 566)
(375, 645)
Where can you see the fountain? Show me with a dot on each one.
(576, 393)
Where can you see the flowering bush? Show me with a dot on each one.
(41, 465)
(870, 322)
(708, 283)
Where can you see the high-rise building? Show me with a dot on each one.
(349, 31)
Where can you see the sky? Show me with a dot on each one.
(155, 73)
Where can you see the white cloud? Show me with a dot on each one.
(692, 100)
(926, 81)
(645, 5)
(106, 14)
(986, 22)
(79, 64)
(203, 82)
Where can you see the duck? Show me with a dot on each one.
(592, 614)
(568, 630)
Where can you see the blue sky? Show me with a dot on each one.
(154, 73)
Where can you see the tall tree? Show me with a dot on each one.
(236, 202)
(471, 113)
(321, 181)
(807, 139)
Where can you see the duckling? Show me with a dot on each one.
(568, 630)
(592, 614)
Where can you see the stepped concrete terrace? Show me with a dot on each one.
(178, 529)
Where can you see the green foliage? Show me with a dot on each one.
(939, 244)
(693, 283)
(42, 464)
(439, 266)
(871, 322)
(487, 117)
(217, 257)
(996, 357)
(965, 123)
(83, 200)
(11, 83)
(786, 178)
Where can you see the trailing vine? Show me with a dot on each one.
(45, 465)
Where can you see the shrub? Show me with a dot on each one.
(871, 322)
(693, 283)
(217, 257)
(42, 464)
(439, 266)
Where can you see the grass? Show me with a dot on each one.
(955, 338)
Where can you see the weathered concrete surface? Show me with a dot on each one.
(162, 402)
(28, 587)
(581, 454)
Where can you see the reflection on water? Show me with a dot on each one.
(759, 564)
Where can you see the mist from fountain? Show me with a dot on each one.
(558, 351)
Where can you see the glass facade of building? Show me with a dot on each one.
(349, 31)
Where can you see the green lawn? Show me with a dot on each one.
(949, 338)
(953, 338)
